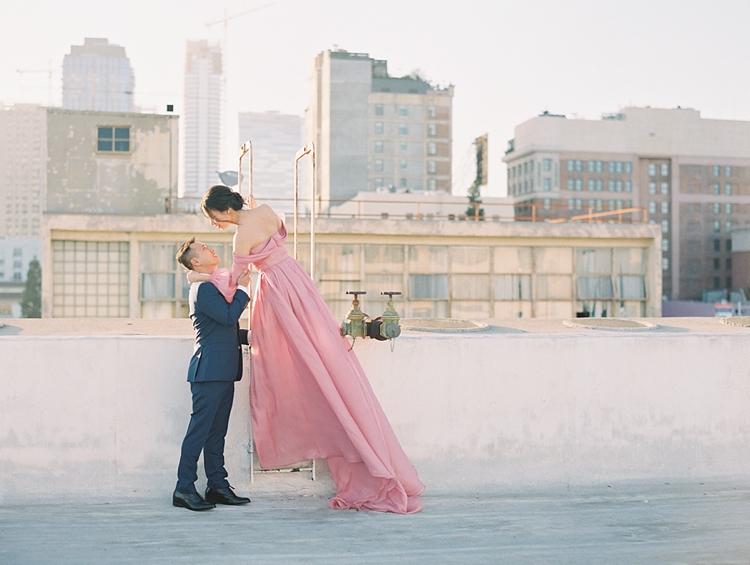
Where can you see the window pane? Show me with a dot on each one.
(512, 259)
(633, 287)
(551, 287)
(594, 261)
(470, 287)
(428, 287)
(512, 287)
(158, 257)
(630, 261)
(158, 286)
(384, 259)
(103, 145)
(122, 133)
(105, 133)
(595, 287)
(470, 259)
(428, 259)
(553, 260)
(333, 258)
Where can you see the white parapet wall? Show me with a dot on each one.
(526, 403)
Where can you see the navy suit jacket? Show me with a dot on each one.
(218, 338)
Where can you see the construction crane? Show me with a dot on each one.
(225, 20)
(48, 71)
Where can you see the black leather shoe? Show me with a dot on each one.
(224, 496)
(192, 501)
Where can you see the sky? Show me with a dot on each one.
(508, 60)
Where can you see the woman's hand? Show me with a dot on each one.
(245, 278)
(195, 276)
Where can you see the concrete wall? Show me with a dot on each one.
(81, 180)
(533, 403)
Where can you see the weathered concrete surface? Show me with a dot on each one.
(631, 523)
(99, 407)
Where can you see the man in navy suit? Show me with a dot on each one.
(215, 366)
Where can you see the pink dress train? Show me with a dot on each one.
(310, 397)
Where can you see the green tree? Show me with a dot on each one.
(31, 299)
(474, 211)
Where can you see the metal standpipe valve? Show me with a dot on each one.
(355, 324)
(389, 320)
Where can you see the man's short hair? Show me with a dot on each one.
(186, 253)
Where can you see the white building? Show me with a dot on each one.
(276, 138)
(97, 76)
(23, 162)
(202, 117)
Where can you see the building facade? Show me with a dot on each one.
(441, 268)
(691, 177)
(201, 123)
(97, 76)
(372, 130)
(276, 138)
(23, 162)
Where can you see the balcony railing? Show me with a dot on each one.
(440, 210)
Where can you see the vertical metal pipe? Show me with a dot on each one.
(301, 153)
(313, 196)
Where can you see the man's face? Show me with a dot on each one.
(204, 257)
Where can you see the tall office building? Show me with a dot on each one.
(201, 117)
(276, 138)
(374, 131)
(97, 76)
(23, 160)
(692, 175)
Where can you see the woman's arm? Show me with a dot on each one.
(195, 276)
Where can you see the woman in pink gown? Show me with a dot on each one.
(310, 397)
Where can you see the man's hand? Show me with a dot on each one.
(244, 279)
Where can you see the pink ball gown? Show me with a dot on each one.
(309, 396)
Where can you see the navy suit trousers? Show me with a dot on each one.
(212, 403)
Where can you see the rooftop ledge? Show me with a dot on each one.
(524, 402)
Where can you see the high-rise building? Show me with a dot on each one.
(201, 117)
(97, 76)
(691, 175)
(23, 160)
(276, 138)
(373, 131)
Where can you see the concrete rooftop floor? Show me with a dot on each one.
(639, 523)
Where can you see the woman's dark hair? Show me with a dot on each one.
(221, 198)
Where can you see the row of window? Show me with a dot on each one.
(652, 187)
(727, 171)
(728, 264)
(402, 110)
(403, 129)
(597, 185)
(431, 166)
(728, 189)
(663, 168)
(717, 283)
(431, 147)
(402, 183)
(595, 204)
(614, 167)
(652, 207)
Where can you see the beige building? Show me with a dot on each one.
(123, 266)
(690, 175)
(372, 130)
(23, 162)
